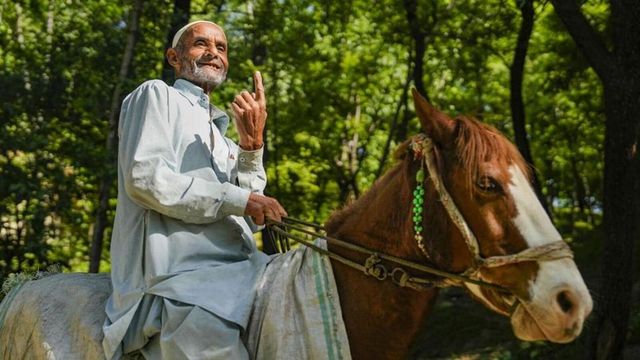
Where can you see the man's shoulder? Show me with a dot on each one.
(154, 90)
(154, 85)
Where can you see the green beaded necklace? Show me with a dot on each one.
(418, 201)
(418, 144)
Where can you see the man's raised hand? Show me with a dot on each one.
(250, 113)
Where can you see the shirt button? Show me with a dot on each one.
(242, 159)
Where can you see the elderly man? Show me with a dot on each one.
(183, 261)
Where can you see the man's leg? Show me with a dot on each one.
(189, 332)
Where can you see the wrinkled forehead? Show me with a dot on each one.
(207, 29)
(204, 29)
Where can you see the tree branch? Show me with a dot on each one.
(106, 182)
(585, 36)
(396, 115)
(516, 71)
(419, 38)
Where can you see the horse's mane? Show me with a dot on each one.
(476, 143)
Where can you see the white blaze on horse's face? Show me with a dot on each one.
(559, 300)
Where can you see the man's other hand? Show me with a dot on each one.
(250, 113)
(261, 207)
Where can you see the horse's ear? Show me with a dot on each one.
(436, 124)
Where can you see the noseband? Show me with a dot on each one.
(374, 264)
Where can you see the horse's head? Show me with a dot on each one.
(489, 183)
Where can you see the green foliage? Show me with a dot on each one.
(334, 74)
(57, 65)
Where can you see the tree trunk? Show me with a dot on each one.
(580, 190)
(259, 53)
(349, 163)
(49, 41)
(396, 116)
(268, 246)
(620, 75)
(516, 101)
(621, 219)
(179, 18)
(419, 41)
(418, 37)
(26, 76)
(106, 182)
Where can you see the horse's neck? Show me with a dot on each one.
(381, 318)
(380, 219)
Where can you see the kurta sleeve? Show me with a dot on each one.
(251, 174)
(149, 163)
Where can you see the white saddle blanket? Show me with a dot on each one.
(297, 312)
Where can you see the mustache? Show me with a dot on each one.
(199, 62)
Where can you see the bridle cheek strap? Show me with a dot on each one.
(422, 147)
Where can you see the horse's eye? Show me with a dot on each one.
(488, 184)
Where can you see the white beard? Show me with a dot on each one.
(204, 75)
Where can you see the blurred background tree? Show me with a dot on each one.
(337, 75)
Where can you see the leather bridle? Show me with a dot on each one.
(374, 264)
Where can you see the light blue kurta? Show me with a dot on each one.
(179, 231)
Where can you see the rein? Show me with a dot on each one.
(373, 265)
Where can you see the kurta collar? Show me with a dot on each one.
(192, 92)
(195, 95)
(220, 119)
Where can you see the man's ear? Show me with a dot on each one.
(172, 58)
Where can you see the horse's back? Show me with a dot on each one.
(297, 312)
(56, 317)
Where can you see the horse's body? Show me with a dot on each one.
(546, 298)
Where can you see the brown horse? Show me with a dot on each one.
(488, 226)
(488, 180)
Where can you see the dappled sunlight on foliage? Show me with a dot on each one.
(337, 75)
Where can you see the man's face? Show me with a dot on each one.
(201, 56)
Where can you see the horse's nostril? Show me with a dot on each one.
(564, 300)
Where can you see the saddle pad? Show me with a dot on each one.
(297, 312)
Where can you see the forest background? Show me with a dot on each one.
(561, 79)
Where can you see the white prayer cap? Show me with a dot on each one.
(178, 34)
